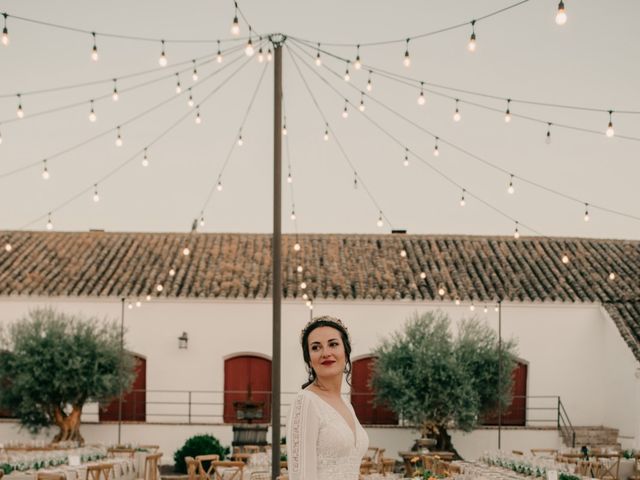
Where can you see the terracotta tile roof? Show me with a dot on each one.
(471, 268)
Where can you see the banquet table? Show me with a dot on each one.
(123, 469)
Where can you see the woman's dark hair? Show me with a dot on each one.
(325, 321)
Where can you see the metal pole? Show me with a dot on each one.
(499, 374)
(121, 364)
(276, 290)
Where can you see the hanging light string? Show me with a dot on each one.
(420, 84)
(114, 129)
(290, 177)
(338, 143)
(243, 17)
(419, 36)
(83, 103)
(138, 153)
(234, 144)
(120, 36)
(477, 157)
(109, 80)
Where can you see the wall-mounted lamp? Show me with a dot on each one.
(183, 340)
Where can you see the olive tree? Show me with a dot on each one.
(435, 380)
(52, 363)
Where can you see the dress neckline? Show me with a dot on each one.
(354, 431)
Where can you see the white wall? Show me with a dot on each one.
(573, 350)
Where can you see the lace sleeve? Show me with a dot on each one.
(302, 439)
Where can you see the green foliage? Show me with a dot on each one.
(51, 360)
(433, 380)
(198, 445)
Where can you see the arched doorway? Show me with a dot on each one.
(362, 395)
(247, 389)
(134, 403)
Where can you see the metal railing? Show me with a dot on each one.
(564, 425)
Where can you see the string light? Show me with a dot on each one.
(145, 158)
(406, 157)
(178, 86)
(565, 259)
(248, 49)
(423, 275)
(472, 307)
(441, 291)
(355, 180)
(326, 133)
(293, 215)
(380, 222)
(289, 178)
(347, 76)
(8, 247)
(94, 49)
(159, 288)
(260, 52)
(163, 57)
(610, 132)
(345, 112)
(219, 186)
(507, 112)
(172, 272)
(138, 303)
(219, 54)
(92, 114)
(198, 118)
(49, 222)
(357, 64)
(269, 54)
(436, 151)
(561, 15)
(471, 46)
(510, 189)
(456, 115)
(235, 25)
(190, 101)
(485, 309)
(118, 137)
(305, 296)
(148, 298)
(318, 59)
(361, 107)
(462, 200)
(299, 269)
(421, 98)
(403, 253)
(5, 32)
(186, 251)
(20, 112)
(586, 212)
(548, 137)
(240, 141)
(194, 74)
(303, 285)
(457, 301)
(296, 247)
(129, 305)
(495, 309)
(612, 276)
(96, 197)
(115, 95)
(369, 84)
(407, 58)
(202, 220)
(45, 171)
(516, 233)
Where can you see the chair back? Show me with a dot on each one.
(608, 466)
(388, 465)
(205, 465)
(151, 466)
(121, 452)
(228, 470)
(101, 471)
(192, 467)
(45, 476)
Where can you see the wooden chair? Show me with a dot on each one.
(121, 452)
(636, 467)
(99, 472)
(367, 467)
(388, 465)
(46, 476)
(228, 470)
(151, 466)
(205, 465)
(608, 466)
(544, 452)
(192, 467)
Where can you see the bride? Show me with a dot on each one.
(325, 441)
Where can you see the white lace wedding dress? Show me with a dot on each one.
(320, 443)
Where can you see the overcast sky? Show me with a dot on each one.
(592, 61)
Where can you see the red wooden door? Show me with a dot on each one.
(247, 381)
(134, 403)
(516, 413)
(362, 396)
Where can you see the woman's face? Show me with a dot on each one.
(326, 352)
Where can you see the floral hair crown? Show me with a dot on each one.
(327, 319)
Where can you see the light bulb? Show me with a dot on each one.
(138, 303)
(456, 115)
(369, 86)
(423, 275)
(115, 95)
(219, 186)
(610, 131)
(516, 233)
(318, 60)
(345, 112)
(308, 303)
(289, 179)
(406, 161)
(380, 223)
(194, 75)
(248, 49)
(441, 291)
(305, 296)
(118, 138)
(561, 15)
(8, 248)
(96, 197)
(92, 114)
(202, 221)
(347, 76)
(186, 251)
(303, 285)
(94, 53)
(510, 189)
(299, 269)
(457, 302)
(260, 55)
(20, 111)
(357, 64)
(293, 215)
(485, 309)
(219, 58)
(178, 88)
(462, 200)
(326, 135)
(495, 309)
(361, 107)
(284, 130)
(507, 116)
(472, 307)
(172, 272)
(471, 46)
(403, 253)
(163, 57)
(159, 287)
(407, 59)
(565, 259)
(45, 172)
(148, 298)
(49, 223)
(547, 138)
(235, 27)
(612, 276)
(240, 141)
(198, 118)
(145, 159)
(130, 305)
(5, 36)
(436, 151)
(586, 212)
(269, 54)
(296, 247)
(421, 98)
(190, 101)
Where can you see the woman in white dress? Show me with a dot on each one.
(325, 441)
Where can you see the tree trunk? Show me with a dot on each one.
(444, 442)
(69, 425)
